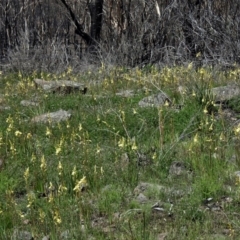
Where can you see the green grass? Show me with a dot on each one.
(43, 163)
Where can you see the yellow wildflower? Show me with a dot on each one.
(26, 174)
(211, 127)
(74, 171)
(60, 168)
(48, 132)
(62, 189)
(80, 184)
(18, 133)
(98, 149)
(42, 215)
(237, 129)
(43, 165)
(29, 136)
(122, 142)
(56, 217)
(31, 198)
(134, 145)
(195, 139)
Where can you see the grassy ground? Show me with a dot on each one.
(78, 178)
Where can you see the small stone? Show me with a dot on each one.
(177, 168)
(65, 235)
(141, 198)
(61, 86)
(27, 103)
(124, 161)
(225, 93)
(143, 160)
(156, 100)
(145, 186)
(126, 93)
(5, 108)
(46, 237)
(162, 236)
(22, 235)
(58, 116)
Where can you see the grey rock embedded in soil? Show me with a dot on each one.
(225, 93)
(5, 108)
(123, 161)
(21, 235)
(126, 93)
(156, 100)
(57, 116)
(61, 86)
(27, 103)
(162, 236)
(65, 235)
(177, 168)
(143, 159)
(141, 198)
(144, 186)
(46, 238)
(229, 115)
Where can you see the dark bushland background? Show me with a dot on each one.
(51, 35)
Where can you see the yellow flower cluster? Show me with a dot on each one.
(80, 185)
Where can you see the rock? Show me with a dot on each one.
(225, 93)
(216, 206)
(21, 235)
(141, 198)
(124, 161)
(61, 86)
(143, 159)
(27, 103)
(144, 186)
(5, 108)
(162, 236)
(65, 235)
(46, 237)
(229, 115)
(177, 168)
(126, 93)
(58, 116)
(156, 100)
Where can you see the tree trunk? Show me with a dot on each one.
(96, 11)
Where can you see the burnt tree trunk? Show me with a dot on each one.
(96, 11)
(192, 12)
